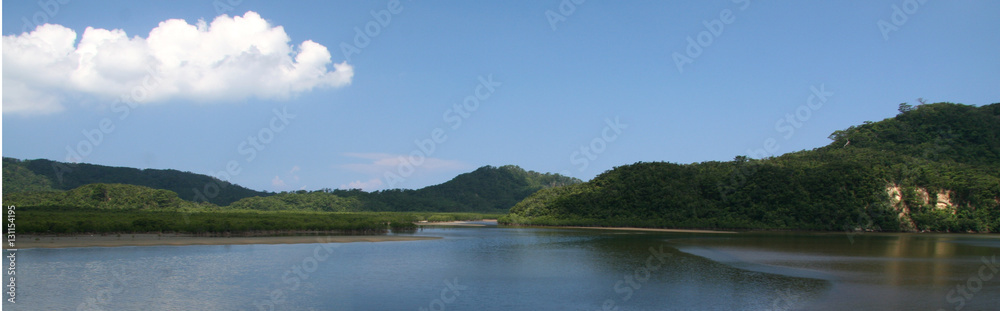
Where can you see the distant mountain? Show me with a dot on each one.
(932, 167)
(39, 175)
(488, 189)
(50, 183)
(103, 196)
(18, 178)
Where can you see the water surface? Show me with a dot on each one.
(490, 268)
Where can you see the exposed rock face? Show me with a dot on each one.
(896, 200)
(942, 201)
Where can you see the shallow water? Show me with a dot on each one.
(494, 268)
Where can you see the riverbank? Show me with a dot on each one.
(49, 241)
(651, 229)
(475, 223)
(494, 222)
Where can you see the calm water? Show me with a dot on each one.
(526, 269)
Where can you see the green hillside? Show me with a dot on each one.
(33, 183)
(18, 178)
(33, 175)
(933, 167)
(124, 208)
(488, 189)
(103, 196)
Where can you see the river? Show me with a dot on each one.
(495, 268)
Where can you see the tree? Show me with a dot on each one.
(904, 108)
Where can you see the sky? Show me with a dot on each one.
(289, 95)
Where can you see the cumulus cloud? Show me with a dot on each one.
(277, 182)
(379, 165)
(229, 59)
(373, 184)
(291, 180)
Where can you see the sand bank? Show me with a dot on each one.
(476, 223)
(651, 229)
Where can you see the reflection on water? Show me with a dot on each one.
(896, 271)
(520, 268)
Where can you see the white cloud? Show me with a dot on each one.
(229, 59)
(384, 162)
(373, 184)
(290, 181)
(379, 164)
(277, 182)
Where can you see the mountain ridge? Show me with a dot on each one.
(50, 183)
(944, 148)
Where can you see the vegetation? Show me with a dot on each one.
(105, 196)
(129, 208)
(50, 220)
(488, 189)
(18, 178)
(943, 148)
(301, 201)
(932, 167)
(52, 175)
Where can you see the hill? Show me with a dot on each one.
(123, 208)
(40, 175)
(932, 167)
(488, 189)
(49, 183)
(103, 197)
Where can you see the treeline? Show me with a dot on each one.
(42, 174)
(926, 150)
(220, 222)
(488, 189)
(102, 208)
(104, 196)
(319, 201)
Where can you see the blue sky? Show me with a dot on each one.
(551, 86)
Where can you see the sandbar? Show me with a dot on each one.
(650, 229)
(459, 223)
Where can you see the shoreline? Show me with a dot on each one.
(459, 223)
(651, 229)
(147, 239)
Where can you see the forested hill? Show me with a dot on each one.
(932, 167)
(939, 132)
(488, 189)
(40, 175)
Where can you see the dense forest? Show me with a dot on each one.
(42, 174)
(488, 189)
(120, 208)
(123, 207)
(932, 167)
